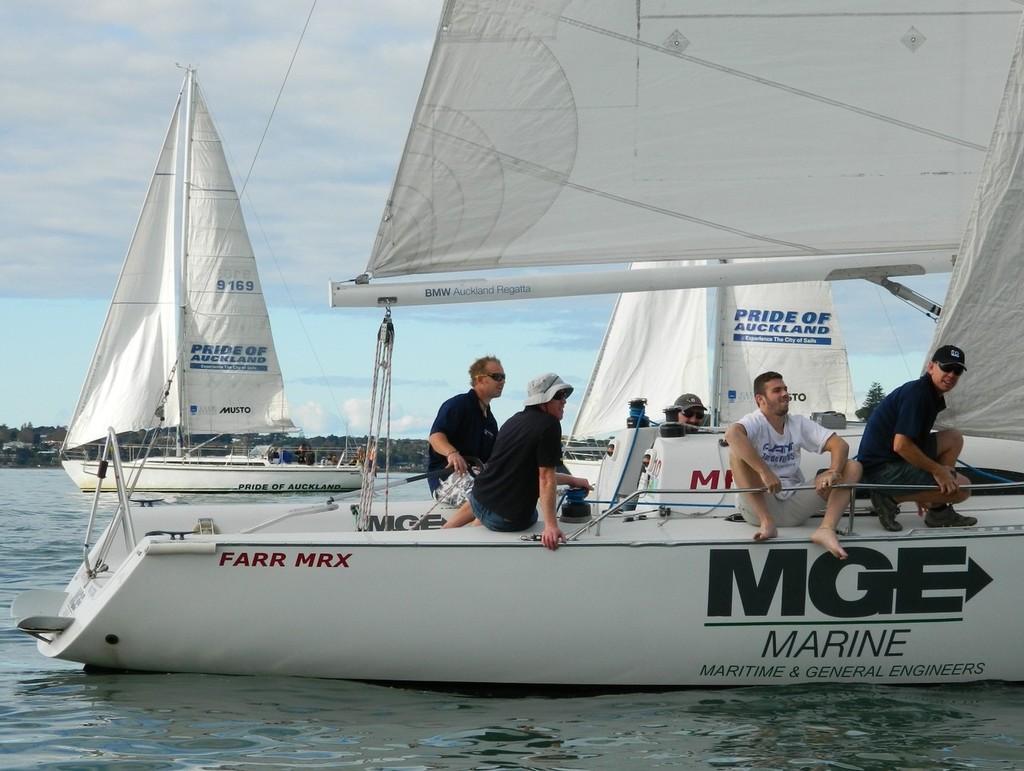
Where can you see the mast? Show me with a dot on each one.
(717, 357)
(185, 168)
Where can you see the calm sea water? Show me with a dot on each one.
(54, 716)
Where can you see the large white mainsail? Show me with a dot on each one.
(139, 335)
(984, 305)
(567, 133)
(197, 319)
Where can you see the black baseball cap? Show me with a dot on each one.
(950, 354)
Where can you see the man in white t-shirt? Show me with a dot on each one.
(764, 451)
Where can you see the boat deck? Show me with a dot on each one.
(398, 523)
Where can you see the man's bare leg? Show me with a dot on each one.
(825, 536)
(463, 516)
(744, 476)
(836, 502)
(767, 530)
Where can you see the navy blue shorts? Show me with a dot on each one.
(902, 473)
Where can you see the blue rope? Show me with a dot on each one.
(985, 474)
(625, 465)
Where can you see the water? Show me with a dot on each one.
(54, 716)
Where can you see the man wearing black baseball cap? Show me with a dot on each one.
(899, 447)
(693, 410)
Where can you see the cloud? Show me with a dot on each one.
(312, 418)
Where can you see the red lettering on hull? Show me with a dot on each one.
(321, 560)
(713, 479)
(259, 559)
(262, 559)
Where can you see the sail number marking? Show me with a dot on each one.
(236, 286)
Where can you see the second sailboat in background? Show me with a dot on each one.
(187, 343)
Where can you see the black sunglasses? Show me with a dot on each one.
(694, 413)
(498, 377)
(561, 395)
(956, 369)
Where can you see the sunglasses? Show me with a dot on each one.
(561, 395)
(956, 369)
(498, 377)
(694, 413)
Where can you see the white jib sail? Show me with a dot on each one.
(231, 378)
(984, 308)
(655, 347)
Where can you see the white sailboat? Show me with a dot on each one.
(187, 342)
(669, 591)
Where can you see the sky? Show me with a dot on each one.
(313, 118)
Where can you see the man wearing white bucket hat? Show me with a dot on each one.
(521, 470)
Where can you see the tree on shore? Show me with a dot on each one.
(875, 395)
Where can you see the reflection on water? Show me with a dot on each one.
(54, 716)
(59, 719)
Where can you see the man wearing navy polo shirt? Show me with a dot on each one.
(465, 426)
(899, 447)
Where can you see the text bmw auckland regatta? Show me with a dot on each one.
(473, 291)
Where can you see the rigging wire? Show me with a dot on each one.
(243, 190)
(380, 421)
(931, 312)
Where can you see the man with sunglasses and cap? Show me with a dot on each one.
(465, 426)
(900, 448)
(522, 468)
(693, 411)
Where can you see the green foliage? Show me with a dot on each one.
(41, 445)
(874, 397)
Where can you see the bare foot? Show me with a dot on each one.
(765, 532)
(827, 539)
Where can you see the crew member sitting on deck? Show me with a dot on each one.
(764, 452)
(522, 467)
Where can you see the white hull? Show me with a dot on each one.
(221, 477)
(643, 599)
